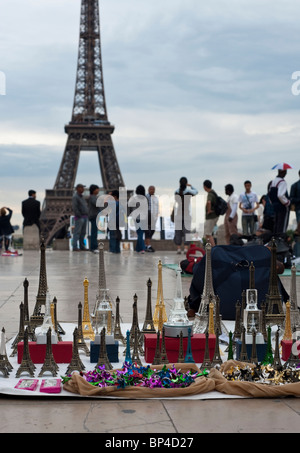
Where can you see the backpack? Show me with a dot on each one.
(221, 206)
(194, 255)
(230, 274)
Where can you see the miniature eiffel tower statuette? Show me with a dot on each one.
(217, 360)
(135, 353)
(157, 356)
(189, 355)
(230, 347)
(103, 357)
(27, 365)
(243, 354)
(148, 326)
(275, 313)
(20, 334)
(117, 327)
(238, 322)
(27, 323)
(206, 360)
(128, 352)
(160, 304)
(181, 353)
(5, 365)
(87, 329)
(211, 327)
(254, 358)
(49, 364)
(37, 317)
(76, 363)
(295, 314)
(47, 323)
(102, 289)
(81, 341)
(287, 335)
(277, 361)
(163, 351)
(135, 325)
(54, 318)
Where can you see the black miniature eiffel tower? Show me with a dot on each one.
(157, 357)
(27, 365)
(163, 351)
(81, 341)
(49, 364)
(135, 325)
(31, 333)
(189, 356)
(275, 313)
(238, 324)
(244, 355)
(277, 361)
(135, 353)
(293, 359)
(148, 326)
(181, 353)
(117, 328)
(103, 357)
(206, 364)
(254, 358)
(76, 363)
(217, 360)
(5, 365)
(20, 334)
(54, 318)
(37, 316)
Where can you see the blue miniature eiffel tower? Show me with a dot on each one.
(189, 356)
(128, 355)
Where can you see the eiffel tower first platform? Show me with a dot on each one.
(89, 129)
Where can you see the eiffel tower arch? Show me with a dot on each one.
(88, 130)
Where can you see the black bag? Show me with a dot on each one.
(220, 206)
(230, 273)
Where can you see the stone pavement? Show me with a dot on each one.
(126, 275)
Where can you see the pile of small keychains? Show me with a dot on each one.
(263, 374)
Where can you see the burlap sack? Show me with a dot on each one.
(77, 384)
(250, 389)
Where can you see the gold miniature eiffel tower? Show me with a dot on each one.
(163, 350)
(20, 335)
(288, 329)
(275, 313)
(117, 327)
(27, 365)
(76, 363)
(49, 364)
(81, 341)
(87, 329)
(135, 353)
(37, 317)
(160, 304)
(181, 352)
(148, 326)
(103, 357)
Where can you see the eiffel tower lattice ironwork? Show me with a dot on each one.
(89, 129)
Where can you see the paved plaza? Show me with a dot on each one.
(126, 275)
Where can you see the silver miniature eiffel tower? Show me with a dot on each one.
(76, 363)
(27, 365)
(295, 315)
(163, 350)
(206, 360)
(135, 353)
(117, 327)
(5, 365)
(275, 313)
(103, 357)
(208, 294)
(81, 341)
(47, 318)
(49, 364)
(181, 353)
(37, 316)
(148, 326)
(157, 356)
(20, 334)
(102, 289)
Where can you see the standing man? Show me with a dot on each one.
(93, 212)
(248, 203)
(80, 210)
(211, 218)
(231, 217)
(31, 210)
(295, 197)
(153, 209)
(278, 195)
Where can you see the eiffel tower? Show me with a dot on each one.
(88, 130)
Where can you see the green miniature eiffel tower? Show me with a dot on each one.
(189, 356)
(268, 359)
(128, 354)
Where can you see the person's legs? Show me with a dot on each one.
(140, 245)
(82, 233)
(94, 233)
(76, 233)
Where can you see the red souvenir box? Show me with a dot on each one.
(172, 347)
(62, 351)
(286, 349)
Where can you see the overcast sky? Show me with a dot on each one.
(196, 89)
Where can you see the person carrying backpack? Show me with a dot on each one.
(211, 217)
